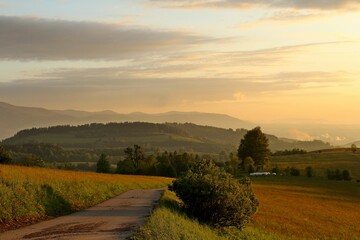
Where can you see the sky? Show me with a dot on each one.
(257, 60)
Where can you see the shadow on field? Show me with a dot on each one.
(54, 204)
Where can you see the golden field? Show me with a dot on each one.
(302, 208)
(290, 208)
(29, 194)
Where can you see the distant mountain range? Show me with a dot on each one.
(15, 118)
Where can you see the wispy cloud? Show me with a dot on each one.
(25, 38)
(241, 4)
(106, 87)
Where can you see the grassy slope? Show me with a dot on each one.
(322, 161)
(28, 194)
(290, 208)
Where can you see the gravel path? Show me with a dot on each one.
(112, 219)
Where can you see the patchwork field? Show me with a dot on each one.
(30, 194)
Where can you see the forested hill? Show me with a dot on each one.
(15, 118)
(151, 136)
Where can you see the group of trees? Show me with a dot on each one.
(53, 152)
(253, 154)
(289, 152)
(5, 157)
(21, 159)
(339, 175)
(169, 164)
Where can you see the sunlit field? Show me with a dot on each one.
(321, 161)
(290, 208)
(297, 207)
(30, 194)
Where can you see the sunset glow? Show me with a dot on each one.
(264, 62)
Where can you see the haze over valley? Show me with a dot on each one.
(16, 118)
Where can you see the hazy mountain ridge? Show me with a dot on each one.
(15, 118)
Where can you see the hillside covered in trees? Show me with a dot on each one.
(92, 139)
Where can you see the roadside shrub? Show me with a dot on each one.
(215, 197)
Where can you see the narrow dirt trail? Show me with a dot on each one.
(112, 219)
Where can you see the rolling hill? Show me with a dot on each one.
(167, 136)
(15, 118)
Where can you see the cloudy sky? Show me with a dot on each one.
(258, 60)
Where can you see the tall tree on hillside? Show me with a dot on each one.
(5, 157)
(103, 165)
(255, 145)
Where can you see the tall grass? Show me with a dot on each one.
(169, 222)
(27, 194)
(291, 208)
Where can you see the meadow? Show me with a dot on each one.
(31, 194)
(321, 161)
(291, 208)
(308, 208)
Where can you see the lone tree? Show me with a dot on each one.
(103, 165)
(255, 145)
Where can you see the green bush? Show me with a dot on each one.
(214, 196)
